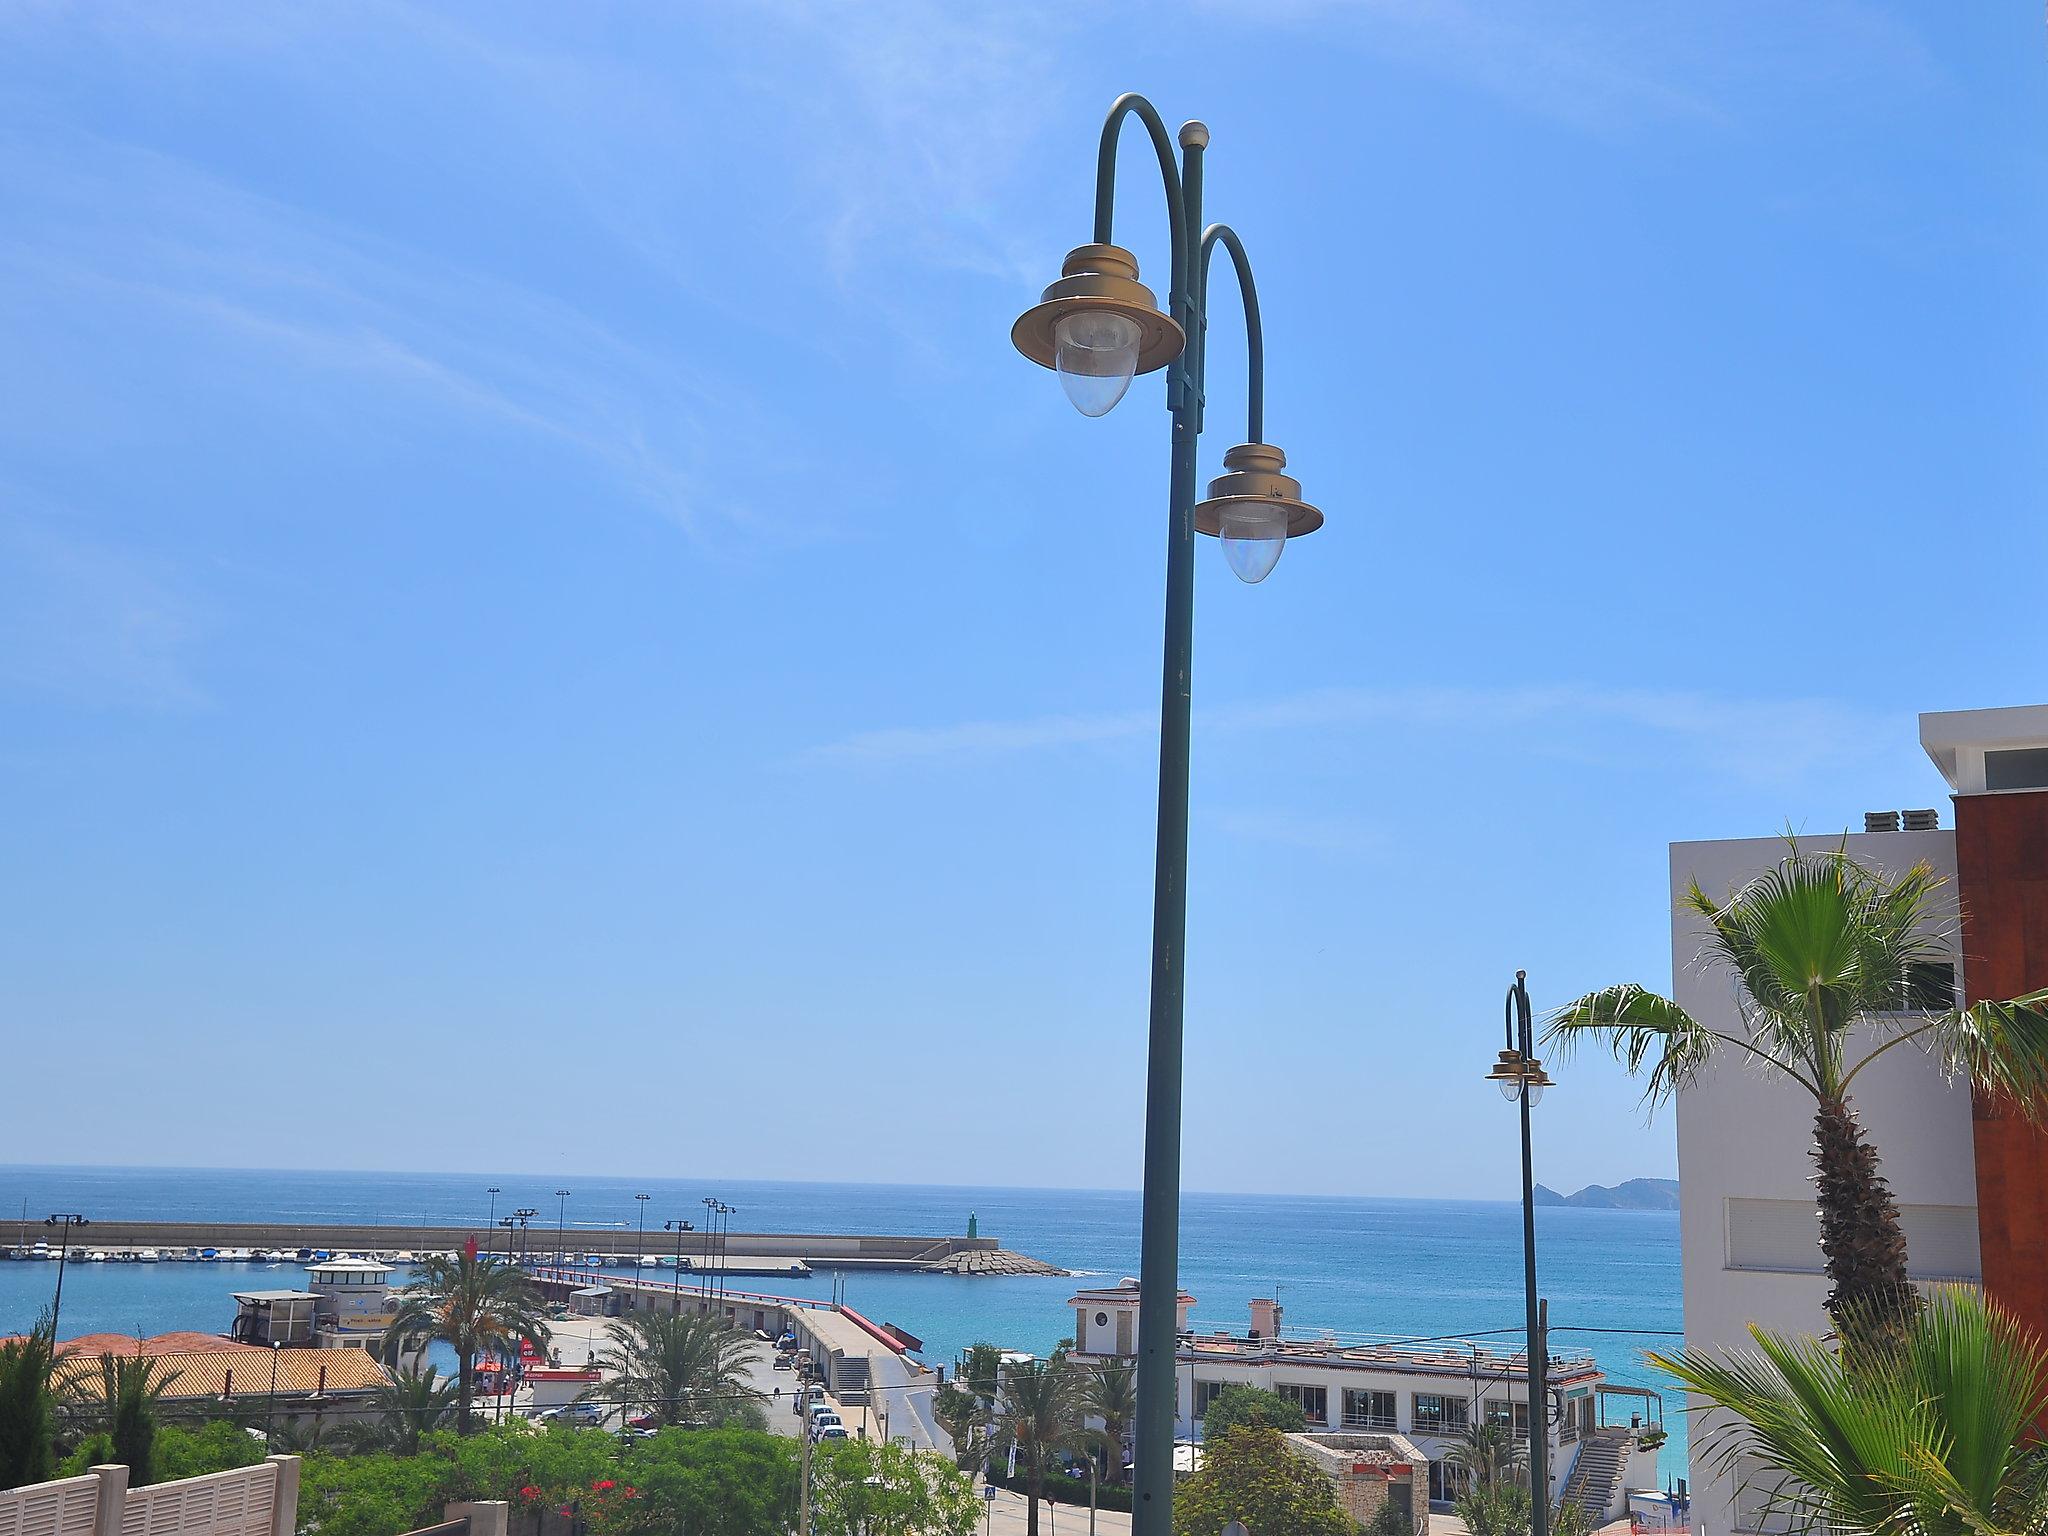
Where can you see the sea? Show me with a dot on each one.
(1353, 1267)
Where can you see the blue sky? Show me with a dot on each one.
(529, 570)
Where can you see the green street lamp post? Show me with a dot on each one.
(1521, 1080)
(1097, 328)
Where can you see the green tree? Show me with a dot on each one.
(1495, 1509)
(1109, 1392)
(193, 1451)
(1040, 1415)
(1822, 948)
(372, 1495)
(130, 1386)
(414, 1403)
(28, 1417)
(1489, 1453)
(1239, 1406)
(472, 1302)
(867, 1488)
(1249, 1474)
(1932, 1432)
(682, 1367)
(712, 1482)
(1390, 1519)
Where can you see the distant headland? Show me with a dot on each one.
(1633, 1195)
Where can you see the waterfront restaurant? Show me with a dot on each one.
(1431, 1392)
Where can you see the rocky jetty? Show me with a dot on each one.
(992, 1261)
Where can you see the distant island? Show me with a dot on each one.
(1634, 1195)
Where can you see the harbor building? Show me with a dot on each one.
(1968, 1174)
(1603, 1437)
(347, 1304)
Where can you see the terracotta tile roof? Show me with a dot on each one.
(181, 1343)
(217, 1372)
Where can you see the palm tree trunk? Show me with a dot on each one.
(465, 1387)
(1036, 1483)
(1859, 1229)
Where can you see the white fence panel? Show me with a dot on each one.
(238, 1503)
(65, 1508)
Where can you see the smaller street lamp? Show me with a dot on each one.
(270, 1409)
(561, 1225)
(494, 1192)
(640, 1249)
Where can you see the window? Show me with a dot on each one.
(1927, 987)
(1439, 1415)
(1368, 1410)
(1500, 1412)
(2021, 768)
(1314, 1402)
(1205, 1394)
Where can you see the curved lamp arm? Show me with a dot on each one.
(1105, 182)
(1254, 333)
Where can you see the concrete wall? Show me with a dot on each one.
(1746, 1137)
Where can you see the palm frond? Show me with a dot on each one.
(1639, 1027)
(2002, 1047)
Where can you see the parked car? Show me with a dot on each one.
(832, 1432)
(828, 1421)
(783, 1363)
(643, 1421)
(575, 1413)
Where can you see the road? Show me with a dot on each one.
(1005, 1516)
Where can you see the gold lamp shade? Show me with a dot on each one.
(1253, 475)
(1099, 277)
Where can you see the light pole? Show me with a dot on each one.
(1521, 1079)
(561, 1225)
(506, 1223)
(640, 1247)
(494, 1192)
(65, 1220)
(725, 1255)
(523, 1215)
(678, 1226)
(270, 1408)
(1097, 327)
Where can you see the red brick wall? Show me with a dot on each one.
(2002, 880)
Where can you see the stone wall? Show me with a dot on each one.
(1369, 1471)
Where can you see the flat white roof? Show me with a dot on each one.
(1957, 739)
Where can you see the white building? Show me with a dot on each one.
(1429, 1392)
(1746, 1204)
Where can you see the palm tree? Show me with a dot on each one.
(413, 1403)
(473, 1302)
(130, 1386)
(1040, 1415)
(28, 1417)
(1489, 1453)
(682, 1367)
(1931, 1432)
(1109, 1392)
(1822, 947)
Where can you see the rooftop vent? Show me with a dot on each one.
(1880, 821)
(1922, 821)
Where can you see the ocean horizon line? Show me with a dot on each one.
(850, 1185)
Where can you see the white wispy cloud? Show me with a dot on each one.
(121, 228)
(90, 620)
(1765, 739)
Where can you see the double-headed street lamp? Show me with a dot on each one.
(678, 1226)
(1521, 1079)
(1098, 327)
(561, 1225)
(66, 1220)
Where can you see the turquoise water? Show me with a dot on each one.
(1410, 1267)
